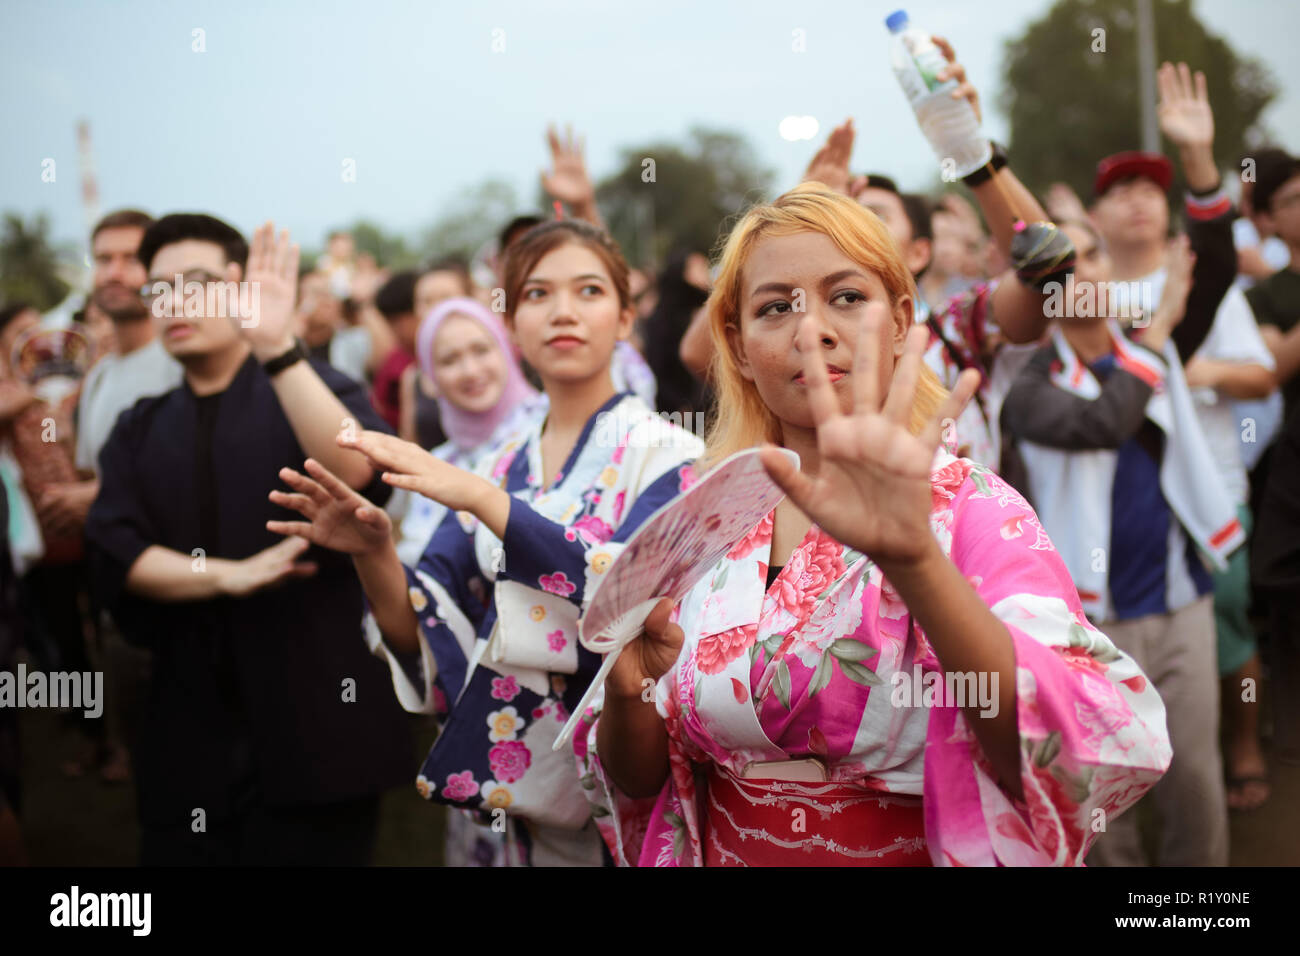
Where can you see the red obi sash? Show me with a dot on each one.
(757, 822)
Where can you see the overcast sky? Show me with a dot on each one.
(260, 124)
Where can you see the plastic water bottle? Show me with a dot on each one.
(950, 125)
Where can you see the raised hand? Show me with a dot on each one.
(1169, 311)
(1064, 204)
(872, 487)
(338, 518)
(830, 164)
(273, 271)
(269, 567)
(1184, 111)
(568, 180)
(407, 465)
(955, 70)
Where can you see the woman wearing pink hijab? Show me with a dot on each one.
(464, 351)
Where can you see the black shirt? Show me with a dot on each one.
(1276, 301)
(248, 687)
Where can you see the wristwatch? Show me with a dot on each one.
(281, 362)
(982, 175)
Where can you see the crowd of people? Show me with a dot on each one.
(277, 522)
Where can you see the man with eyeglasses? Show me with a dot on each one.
(271, 730)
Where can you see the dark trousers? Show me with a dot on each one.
(1283, 655)
(332, 834)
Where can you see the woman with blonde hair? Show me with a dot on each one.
(893, 667)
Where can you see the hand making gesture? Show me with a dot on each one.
(407, 465)
(338, 518)
(1187, 119)
(830, 164)
(273, 273)
(872, 488)
(568, 180)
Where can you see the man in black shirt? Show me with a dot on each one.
(1276, 300)
(270, 731)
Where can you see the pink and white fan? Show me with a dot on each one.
(669, 554)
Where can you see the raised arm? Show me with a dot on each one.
(1187, 119)
(1003, 200)
(568, 181)
(315, 413)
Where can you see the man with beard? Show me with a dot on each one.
(137, 367)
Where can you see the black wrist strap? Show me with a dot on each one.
(998, 160)
(281, 362)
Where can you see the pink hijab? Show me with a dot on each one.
(468, 430)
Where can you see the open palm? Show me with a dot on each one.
(338, 518)
(568, 180)
(872, 488)
(1184, 111)
(273, 273)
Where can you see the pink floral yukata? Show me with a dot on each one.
(811, 667)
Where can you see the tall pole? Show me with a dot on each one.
(1146, 42)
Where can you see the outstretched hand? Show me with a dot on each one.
(1184, 111)
(568, 180)
(338, 518)
(872, 487)
(407, 465)
(273, 278)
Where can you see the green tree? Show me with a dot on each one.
(29, 265)
(1070, 103)
(470, 221)
(389, 249)
(665, 194)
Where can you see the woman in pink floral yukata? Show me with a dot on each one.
(893, 668)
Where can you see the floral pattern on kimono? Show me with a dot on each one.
(823, 663)
(499, 660)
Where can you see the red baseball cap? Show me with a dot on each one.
(1112, 169)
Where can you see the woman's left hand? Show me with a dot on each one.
(872, 489)
(407, 465)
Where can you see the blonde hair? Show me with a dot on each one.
(742, 419)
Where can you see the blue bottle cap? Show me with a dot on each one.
(897, 21)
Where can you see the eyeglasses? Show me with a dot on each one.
(152, 291)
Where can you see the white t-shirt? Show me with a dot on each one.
(114, 384)
(349, 351)
(1234, 337)
(1273, 250)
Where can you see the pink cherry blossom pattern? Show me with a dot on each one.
(591, 529)
(505, 688)
(557, 583)
(460, 786)
(508, 760)
(556, 641)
